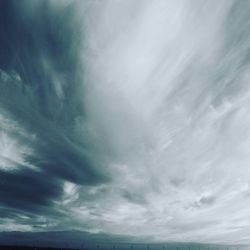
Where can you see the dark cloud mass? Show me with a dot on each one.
(40, 103)
(126, 117)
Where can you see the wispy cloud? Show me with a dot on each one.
(126, 117)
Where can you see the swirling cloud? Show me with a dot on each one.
(126, 117)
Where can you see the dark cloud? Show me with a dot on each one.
(40, 91)
(28, 190)
(74, 239)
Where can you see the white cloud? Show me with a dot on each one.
(163, 98)
(12, 150)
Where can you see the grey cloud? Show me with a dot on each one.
(134, 197)
(40, 96)
(177, 182)
(28, 190)
(124, 113)
(205, 201)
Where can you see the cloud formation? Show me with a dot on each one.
(126, 117)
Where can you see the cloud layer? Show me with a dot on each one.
(126, 117)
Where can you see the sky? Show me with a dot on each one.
(126, 117)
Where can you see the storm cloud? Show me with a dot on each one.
(126, 117)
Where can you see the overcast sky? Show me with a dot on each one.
(126, 117)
